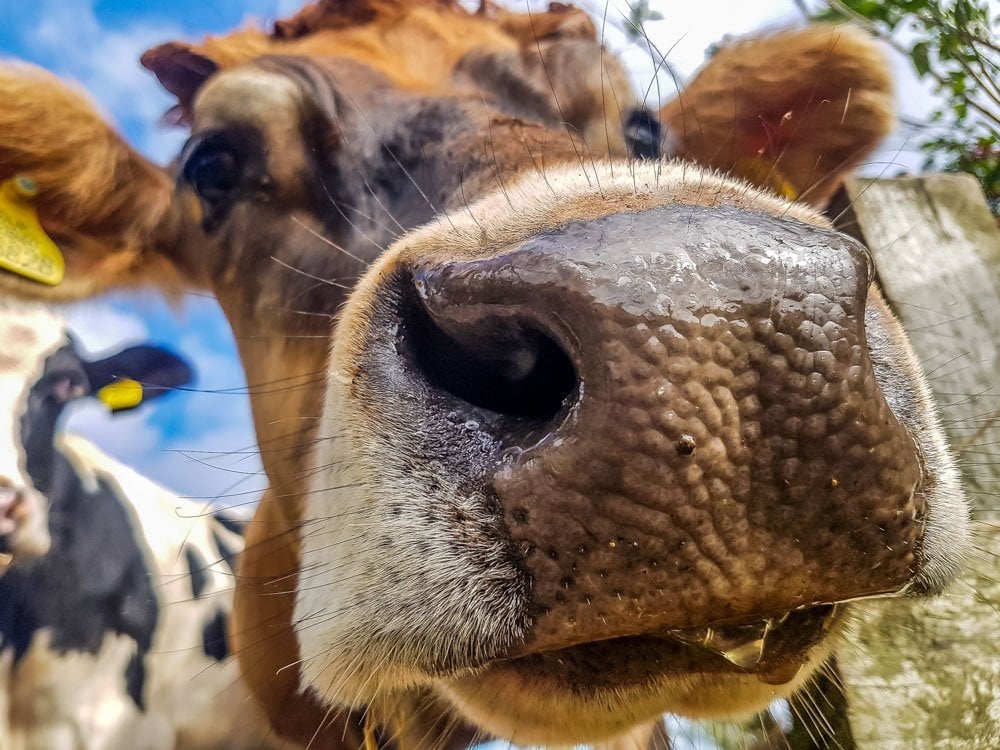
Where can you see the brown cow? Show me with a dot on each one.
(602, 439)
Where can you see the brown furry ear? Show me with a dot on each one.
(795, 110)
(106, 207)
(181, 70)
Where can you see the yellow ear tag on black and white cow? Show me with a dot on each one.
(121, 395)
(25, 248)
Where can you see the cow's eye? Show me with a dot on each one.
(223, 167)
(214, 171)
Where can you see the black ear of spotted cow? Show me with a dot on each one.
(137, 374)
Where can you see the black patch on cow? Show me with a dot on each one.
(93, 581)
(196, 570)
(229, 523)
(213, 637)
(62, 375)
(227, 552)
(135, 678)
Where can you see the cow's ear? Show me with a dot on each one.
(181, 69)
(73, 192)
(794, 110)
(135, 375)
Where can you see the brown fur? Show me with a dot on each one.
(424, 46)
(417, 44)
(106, 206)
(119, 221)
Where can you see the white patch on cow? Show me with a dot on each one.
(66, 701)
(200, 699)
(248, 94)
(29, 334)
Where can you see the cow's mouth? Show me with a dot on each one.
(773, 650)
(589, 692)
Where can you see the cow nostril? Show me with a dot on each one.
(495, 362)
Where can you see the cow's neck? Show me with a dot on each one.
(77, 590)
(284, 374)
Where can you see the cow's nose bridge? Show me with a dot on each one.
(666, 270)
(729, 453)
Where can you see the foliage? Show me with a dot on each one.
(639, 14)
(954, 45)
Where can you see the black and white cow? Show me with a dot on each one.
(114, 593)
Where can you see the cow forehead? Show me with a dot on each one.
(248, 95)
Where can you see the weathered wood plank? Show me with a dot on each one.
(926, 674)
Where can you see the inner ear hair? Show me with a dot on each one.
(796, 109)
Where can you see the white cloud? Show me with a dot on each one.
(286, 8)
(106, 63)
(220, 465)
(685, 32)
(98, 327)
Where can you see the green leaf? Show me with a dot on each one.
(920, 53)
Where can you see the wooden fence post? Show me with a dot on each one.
(926, 673)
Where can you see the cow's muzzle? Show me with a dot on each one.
(687, 441)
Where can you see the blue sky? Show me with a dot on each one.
(201, 443)
(198, 443)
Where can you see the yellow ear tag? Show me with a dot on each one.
(121, 394)
(25, 249)
(764, 172)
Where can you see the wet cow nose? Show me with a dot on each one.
(690, 425)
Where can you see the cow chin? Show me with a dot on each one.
(444, 613)
(527, 703)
